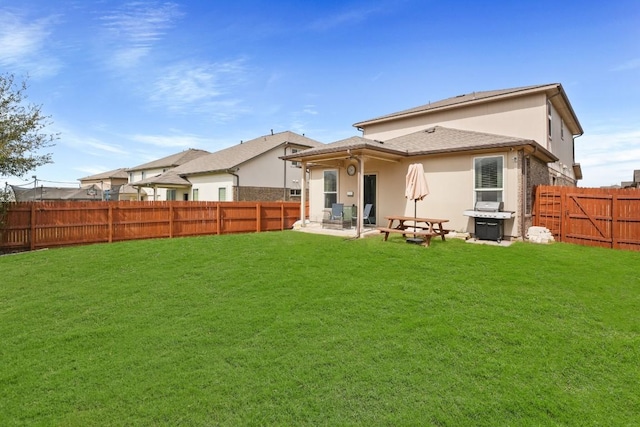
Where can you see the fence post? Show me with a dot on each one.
(170, 220)
(615, 214)
(281, 216)
(218, 219)
(258, 219)
(110, 221)
(32, 242)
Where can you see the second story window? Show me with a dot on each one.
(549, 123)
(295, 164)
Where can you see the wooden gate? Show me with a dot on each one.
(590, 216)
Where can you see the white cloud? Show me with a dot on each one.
(183, 141)
(89, 145)
(347, 17)
(201, 88)
(608, 157)
(23, 44)
(134, 28)
(629, 65)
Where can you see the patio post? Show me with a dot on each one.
(359, 222)
(303, 192)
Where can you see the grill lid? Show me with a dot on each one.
(489, 206)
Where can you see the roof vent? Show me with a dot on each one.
(430, 130)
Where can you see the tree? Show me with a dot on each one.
(21, 127)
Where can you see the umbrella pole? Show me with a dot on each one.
(415, 216)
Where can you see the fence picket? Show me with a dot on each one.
(590, 216)
(35, 225)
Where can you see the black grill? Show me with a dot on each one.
(489, 220)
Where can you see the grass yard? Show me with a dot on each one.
(290, 328)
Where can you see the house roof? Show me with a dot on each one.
(232, 157)
(116, 173)
(57, 193)
(562, 104)
(435, 140)
(169, 178)
(172, 160)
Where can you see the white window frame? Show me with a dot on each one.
(499, 190)
(330, 192)
(195, 194)
(222, 194)
(171, 194)
(549, 120)
(295, 164)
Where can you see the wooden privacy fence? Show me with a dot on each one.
(590, 216)
(35, 225)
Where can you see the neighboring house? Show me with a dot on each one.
(113, 185)
(251, 170)
(106, 180)
(145, 176)
(632, 184)
(45, 194)
(493, 146)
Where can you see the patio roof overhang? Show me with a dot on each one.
(339, 155)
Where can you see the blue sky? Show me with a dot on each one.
(127, 82)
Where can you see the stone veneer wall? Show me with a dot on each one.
(264, 194)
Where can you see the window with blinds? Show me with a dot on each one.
(330, 188)
(488, 172)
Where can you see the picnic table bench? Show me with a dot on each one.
(426, 228)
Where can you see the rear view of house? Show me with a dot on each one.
(484, 146)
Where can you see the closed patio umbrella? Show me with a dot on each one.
(416, 188)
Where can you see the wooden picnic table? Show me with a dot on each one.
(423, 227)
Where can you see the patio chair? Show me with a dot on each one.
(366, 213)
(337, 210)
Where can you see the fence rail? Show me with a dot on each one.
(590, 216)
(36, 225)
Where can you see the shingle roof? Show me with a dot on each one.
(172, 160)
(435, 140)
(469, 98)
(116, 173)
(169, 177)
(440, 139)
(233, 156)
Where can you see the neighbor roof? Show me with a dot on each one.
(234, 156)
(483, 97)
(172, 160)
(168, 179)
(116, 173)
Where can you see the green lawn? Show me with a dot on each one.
(289, 328)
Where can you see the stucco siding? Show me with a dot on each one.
(520, 117)
(451, 187)
(209, 185)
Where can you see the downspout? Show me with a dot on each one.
(303, 193)
(573, 154)
(284, 174)
(231, 172)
